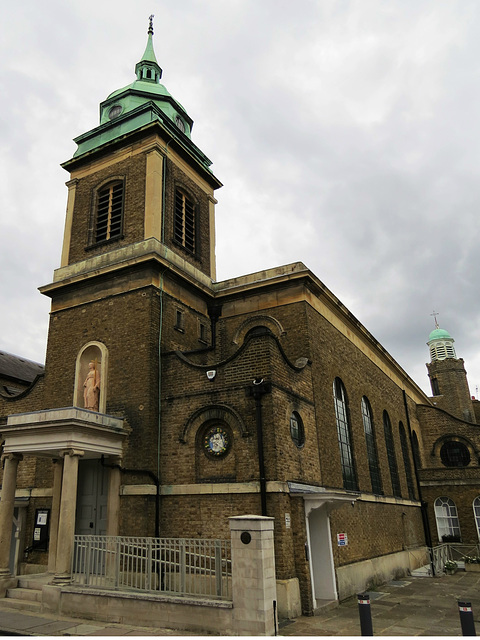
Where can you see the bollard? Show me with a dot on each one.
(366, 628)
(466, 618)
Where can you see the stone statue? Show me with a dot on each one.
(91, 388)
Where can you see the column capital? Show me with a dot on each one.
(71, 453)
(12, 457)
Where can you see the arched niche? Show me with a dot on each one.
(96, 353)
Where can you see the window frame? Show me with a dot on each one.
(113, 214)
(344, 436)
(297, 434)
(450, 517)
(406, 461)
(391, 455)
(370, 442)
(476, 513)
(185, 221)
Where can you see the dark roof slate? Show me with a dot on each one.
(18, 368)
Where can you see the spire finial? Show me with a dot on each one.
(435, 314)
(150, 25)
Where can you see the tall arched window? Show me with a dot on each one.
(416, 450)
(392, 460)
(476, 514)
(448, 525)
(372, 456)
(406, 461)
(344, 435)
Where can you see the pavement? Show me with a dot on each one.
(25, 623)
(408, 607)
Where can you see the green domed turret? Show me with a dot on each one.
(142, 103)
(146, 88)
(441, 344)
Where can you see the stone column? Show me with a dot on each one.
(55, 514)
(113, 500)
(66, 524)
(253, 575)
(7, 505)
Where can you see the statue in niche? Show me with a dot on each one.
(91, 387)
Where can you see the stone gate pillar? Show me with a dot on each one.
(253, 575)
(66, 524)
(7, 505)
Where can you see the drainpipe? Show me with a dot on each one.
(258, 389)
(423, 504)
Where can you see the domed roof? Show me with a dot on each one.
(439, 334)
(144, 90)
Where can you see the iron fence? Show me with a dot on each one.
(179, 566)
(452, 552)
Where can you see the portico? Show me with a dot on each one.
(65, 435)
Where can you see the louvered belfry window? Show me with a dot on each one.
(109, 212)
(184, 223)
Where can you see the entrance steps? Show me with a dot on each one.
(27, 595)
(422, 572)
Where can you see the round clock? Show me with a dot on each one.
(180, 123)
(216, 441)
(115, 111)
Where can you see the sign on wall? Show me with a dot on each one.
(342, 539)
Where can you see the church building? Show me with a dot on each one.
(171, 401)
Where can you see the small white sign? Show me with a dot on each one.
(342, 539)
(288, 521)
(36, 533)
(42, 517)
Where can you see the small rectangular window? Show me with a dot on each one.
(202, 333)
(179, 321)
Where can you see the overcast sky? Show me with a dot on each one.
(346, 134)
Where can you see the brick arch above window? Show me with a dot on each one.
(258, 321)
(439, 444)
(222, 413)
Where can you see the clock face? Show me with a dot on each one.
(216, 441)
(115, 111)
(180, 123)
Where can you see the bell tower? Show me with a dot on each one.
(138, 178)
(138, 257)
(448, 378)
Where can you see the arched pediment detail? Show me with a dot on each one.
(261, 320)
(220, 412)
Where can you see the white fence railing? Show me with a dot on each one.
(180, 566)
(452, 551)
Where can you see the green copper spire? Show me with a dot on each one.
(139, 105)
(148, 68)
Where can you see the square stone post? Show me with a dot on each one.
(254, 587)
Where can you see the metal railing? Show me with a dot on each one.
(179, 566)
(454, 552)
